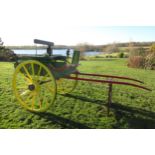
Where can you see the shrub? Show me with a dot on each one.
(150, 61)
(136, 62)
(109, 56)
(97, 56)
(150, 58)
(152, 49)
(83, 58)
(121, 55)
(111, 48)
(126, 55)
(6, 54)
(138, 58)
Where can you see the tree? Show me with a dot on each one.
(131, 48)
(83, 47)
(150, 58)
(152, 49)
(111, 48)
(1, 43)
(136, 56)
(6, 54)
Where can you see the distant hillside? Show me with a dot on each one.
(38, 47)
(114, 47)
(91, 47)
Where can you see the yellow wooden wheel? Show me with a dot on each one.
(34, 86)
(65, 86)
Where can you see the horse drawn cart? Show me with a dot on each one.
(38, 79)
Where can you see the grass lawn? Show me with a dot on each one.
(86, 106)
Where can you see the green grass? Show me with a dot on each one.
(86, 106)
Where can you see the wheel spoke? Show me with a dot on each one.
(28, 74)
(49, 88)
(45, 77)
(39, 70)
(25, 93)
(44, 98)
(46, 102)
(26, 78)
(21, 85)
(29, 98)
(33, 100)
(40, 103)
(41, 99)
(32, 66)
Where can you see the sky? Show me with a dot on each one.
(69, 22)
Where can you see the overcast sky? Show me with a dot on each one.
(75, 21)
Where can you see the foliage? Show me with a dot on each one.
(1, 42)
(6, 54)
(142, 58)
(112, 48)
(152, 49)
(136, 62)
(150, 61)
(86, 106)
(121, 55)
(138, 52)
(84, 47)
(1, 45)
(150, 58)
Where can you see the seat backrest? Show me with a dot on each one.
(76, 57)
(43, 42)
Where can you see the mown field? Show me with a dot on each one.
(86, 106)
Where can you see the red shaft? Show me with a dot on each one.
(110, 76)
(106, 81)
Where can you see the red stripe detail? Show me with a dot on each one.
(106, 81)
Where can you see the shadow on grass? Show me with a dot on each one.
(64, 122)
(131, 116)
(136, 118)
(86, 99)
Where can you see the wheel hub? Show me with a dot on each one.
(31, 87)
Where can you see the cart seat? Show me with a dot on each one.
(66, 67)
(58, 57)
(60, 72)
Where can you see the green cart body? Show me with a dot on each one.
(37, 79)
